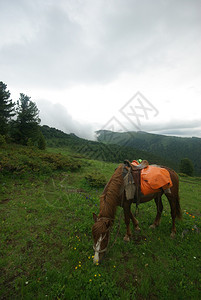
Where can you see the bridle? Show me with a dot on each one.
(97, 250)
(95, 247)
(108, 229)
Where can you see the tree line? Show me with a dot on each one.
(19, 122)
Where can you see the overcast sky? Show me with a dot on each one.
(112, 64)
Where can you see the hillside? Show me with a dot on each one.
(46, 204)
(100, 150)
(168, 147)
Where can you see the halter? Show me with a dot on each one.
(100, 251)
(108, 229)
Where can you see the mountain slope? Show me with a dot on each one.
(168, 147)
(98, 150)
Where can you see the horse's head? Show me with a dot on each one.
(100, 231)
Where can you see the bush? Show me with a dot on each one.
(182, 175)
(96, 180)
(21, 160)
(2, 140)
(30, 143)
(41, 142)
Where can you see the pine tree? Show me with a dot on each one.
(26, 125)
(41, 142)
(6, 109)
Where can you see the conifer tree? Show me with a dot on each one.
(186, 166)
(41, 142)
(6, 109)
(26, 125)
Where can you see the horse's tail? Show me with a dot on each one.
(175, 179)
(178, 207)
(175, 193)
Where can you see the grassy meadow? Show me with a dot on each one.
(46, 247)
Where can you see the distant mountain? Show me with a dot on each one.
(168, 147)
(100, 150)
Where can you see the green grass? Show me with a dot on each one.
(46, 243)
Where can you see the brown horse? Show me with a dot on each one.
(114, 195)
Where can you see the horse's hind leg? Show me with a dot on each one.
(159, 206)
(126, 207)
(135, 222)
(173, 215)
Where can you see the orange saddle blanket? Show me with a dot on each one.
(153, 178)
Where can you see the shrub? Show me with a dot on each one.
(96, 180)
(21, 160)
(30, 143)
(41, 142)
(2, 140)
(182, 175)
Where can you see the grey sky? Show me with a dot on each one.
(81, 61)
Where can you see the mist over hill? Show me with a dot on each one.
(118, 146)
(168, 147)
(99, 150)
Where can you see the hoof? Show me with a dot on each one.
(137, 228)
(126, 238)
(153, 226)
(173, 235)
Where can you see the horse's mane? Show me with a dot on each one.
(111, 194)
(109, 200)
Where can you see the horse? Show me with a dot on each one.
(114, 195)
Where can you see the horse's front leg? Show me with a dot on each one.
(127, 215)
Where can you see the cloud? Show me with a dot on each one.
(56, 115)
(75, 47)
(63, 43)
(177, 127)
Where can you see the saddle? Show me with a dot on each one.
(132, 180)
(141, 166)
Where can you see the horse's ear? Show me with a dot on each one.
(95, 217)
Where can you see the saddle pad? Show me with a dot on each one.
(153, 178)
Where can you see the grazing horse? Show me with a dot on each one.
(114, 195)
